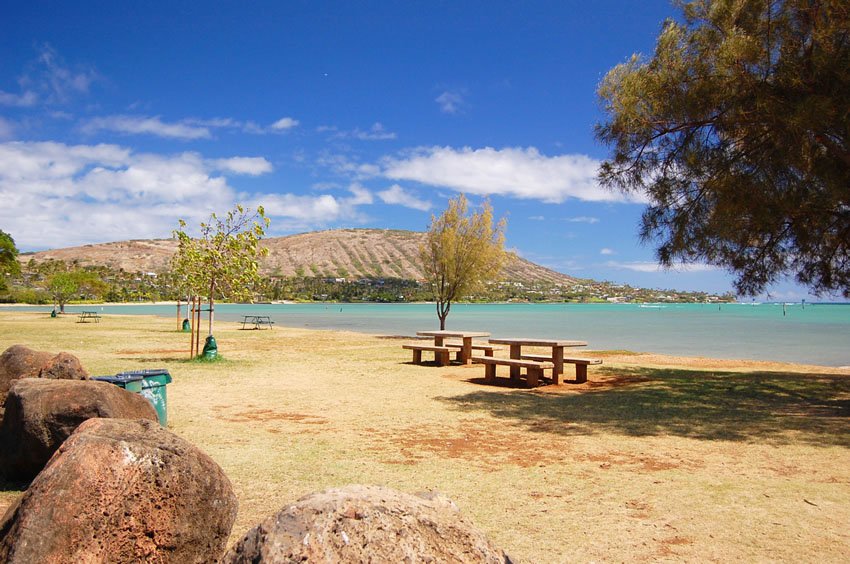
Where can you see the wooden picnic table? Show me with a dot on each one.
(257, 321)
(557, 346)
(86, 316)
(465, 355)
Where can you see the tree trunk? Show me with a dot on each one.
(443, 313)
(212, 311)
(212, 306)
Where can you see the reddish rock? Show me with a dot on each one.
(63, 366)
(366, 524)
(41, 414)
(19, 361)
(122, 491)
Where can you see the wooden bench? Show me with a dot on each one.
(487, 349)
(581, 364)
(441, 354)
(534, 368)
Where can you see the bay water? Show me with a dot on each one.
(804, 333)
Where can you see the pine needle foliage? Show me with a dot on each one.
(737, 131)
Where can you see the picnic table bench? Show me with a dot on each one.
(534, 368)
(466, 337)
(257, 321)
(487, 349)
(581, 364)
(87, 316)
(557, 347)
(441, 353)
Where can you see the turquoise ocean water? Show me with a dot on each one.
(816, 333)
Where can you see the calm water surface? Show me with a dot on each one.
(816, 333)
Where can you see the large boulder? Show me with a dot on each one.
(366, 524)
(41, 414)
(122, 491)
(63, 366)
(19, 361)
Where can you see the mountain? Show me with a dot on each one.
(339, 253)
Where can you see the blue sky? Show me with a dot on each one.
(116, 119)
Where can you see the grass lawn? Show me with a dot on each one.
(655, 458)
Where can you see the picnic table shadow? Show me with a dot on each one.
(773, 407)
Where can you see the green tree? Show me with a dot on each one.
(62, 287)
(737, 131)
(461, 252)
(222, 262)
(9, 265)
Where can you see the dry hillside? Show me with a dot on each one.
(350, 253)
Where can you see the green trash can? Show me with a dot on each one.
(153, 382)
(131, 383)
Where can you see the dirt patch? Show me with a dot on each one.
(155, 351)
(476, 441)
(264, 415)
(640, 463)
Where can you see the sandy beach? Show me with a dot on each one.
(655, 458)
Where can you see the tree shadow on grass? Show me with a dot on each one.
(772, 407)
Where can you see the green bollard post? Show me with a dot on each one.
(186, 326)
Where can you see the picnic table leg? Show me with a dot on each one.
(515, 354)
(490, 373)
(466, 356)
(534, 375)
(558, 361)
(581, 373)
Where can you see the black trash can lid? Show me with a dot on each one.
(119, 378)
(146, 372)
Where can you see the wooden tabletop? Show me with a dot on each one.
(455, 334)
(538, 342)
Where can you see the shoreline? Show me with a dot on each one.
(620, 356)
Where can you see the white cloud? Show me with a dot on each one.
(655, 267)
(62, 79)
(310, 209)
(284, 123)
(51, 80)
(343, 165)
(7, 130)
(537, 218)
(583, 219)
(23, 100)
(515, 172)
(450, 102)
(606, 251)
(396, 195)
(360, 195)
(252, 166)
(375, 133)
(56, 195)
(146, 125)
